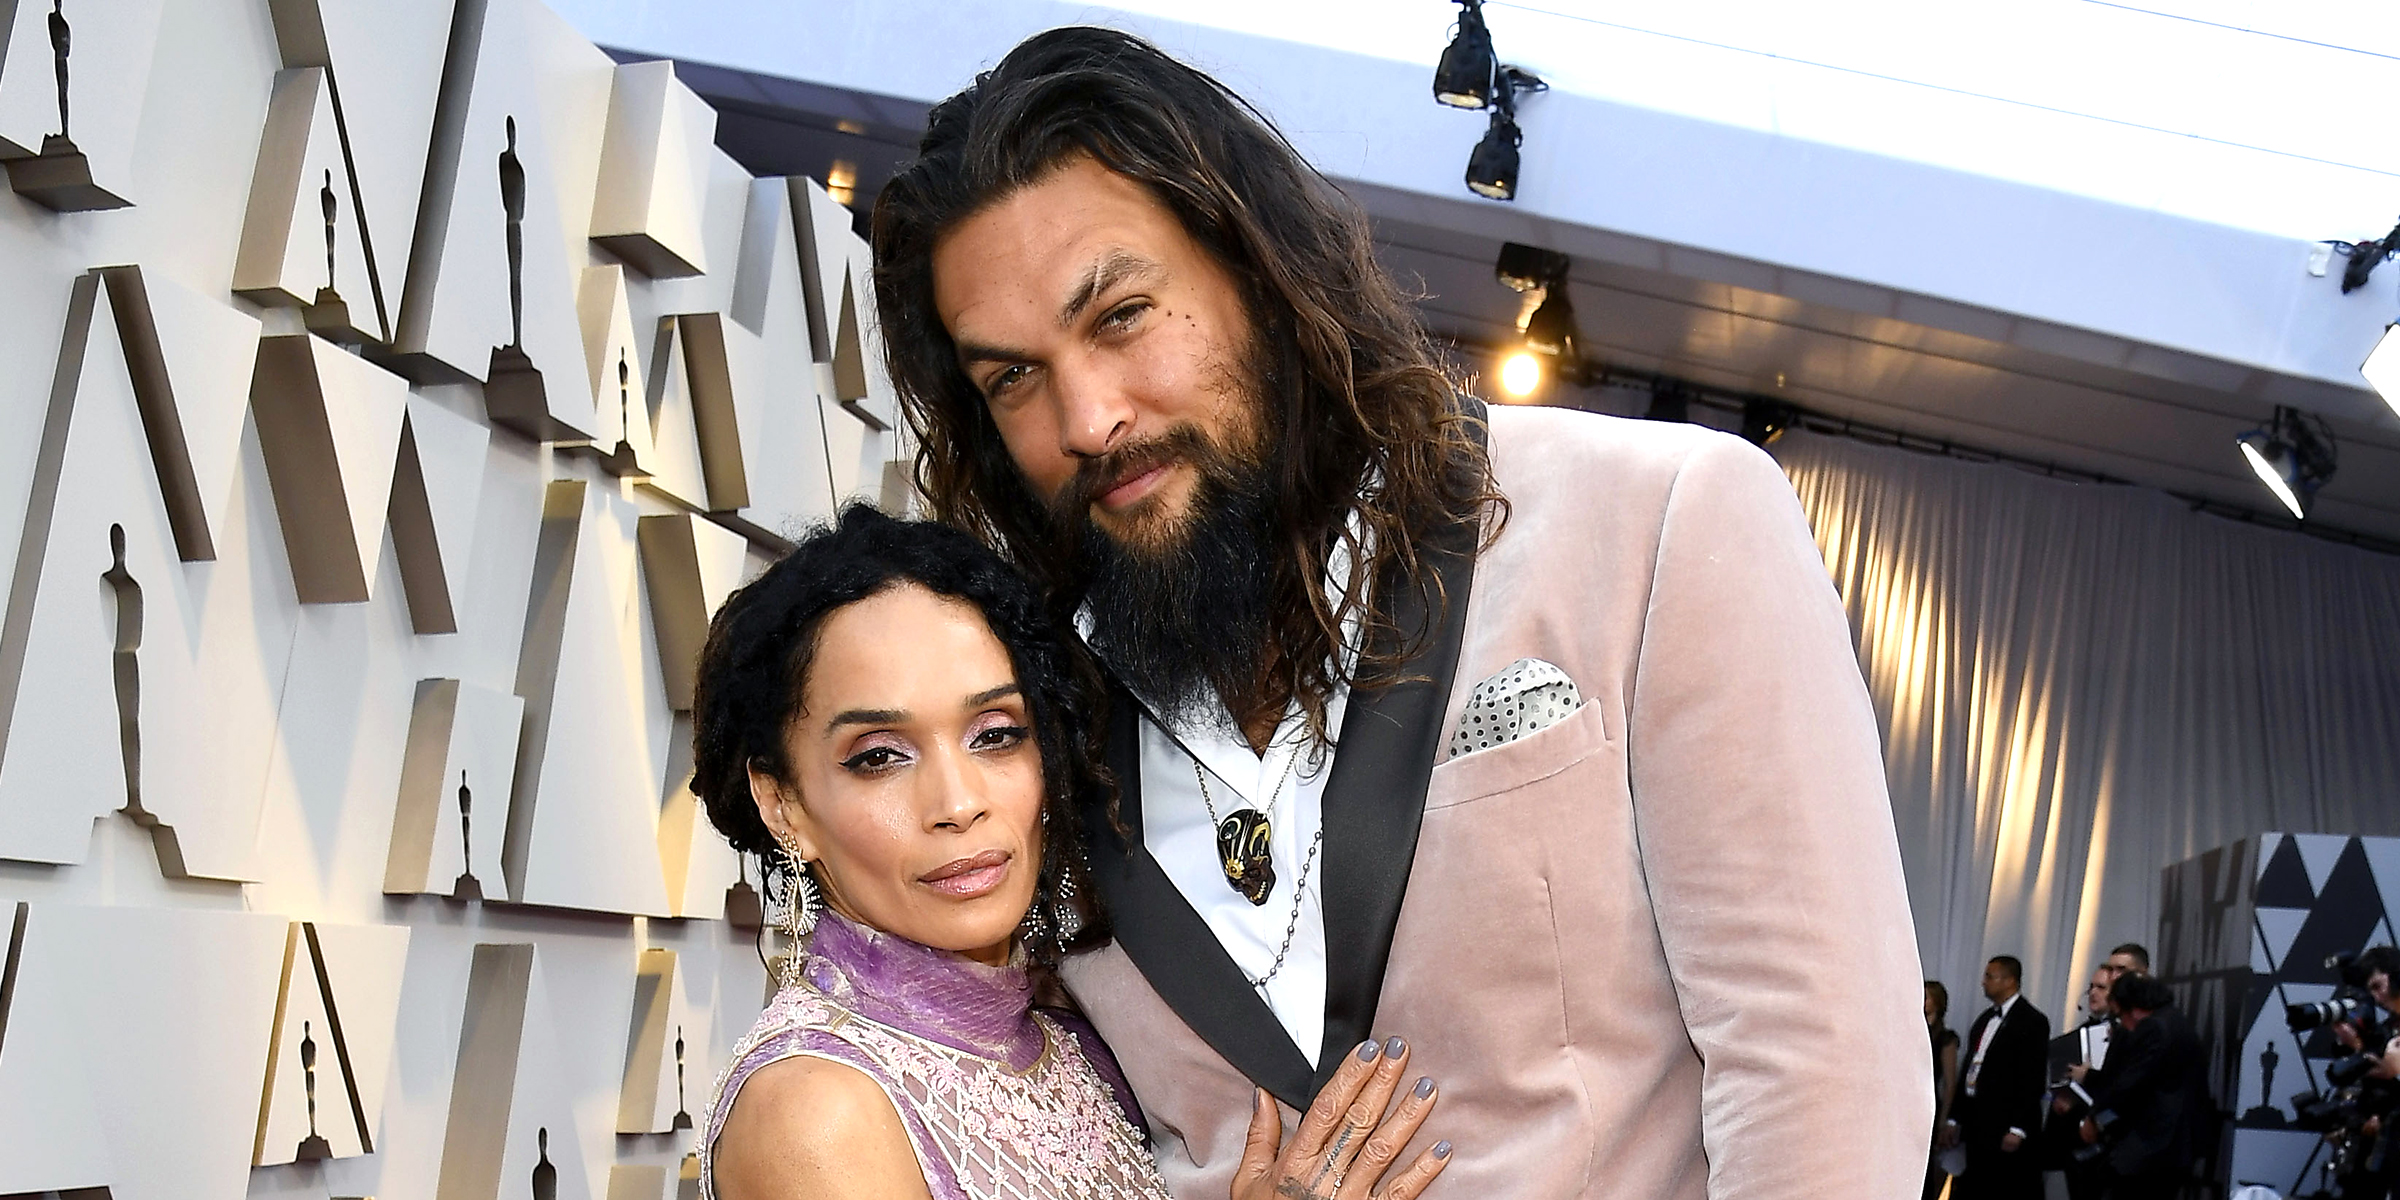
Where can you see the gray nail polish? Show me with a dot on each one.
(1393, 1046)
(1367, 1050)
(1424, 1087)
(1441, 1149)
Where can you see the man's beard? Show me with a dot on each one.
(1181, 614)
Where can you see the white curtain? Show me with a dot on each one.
(2081, 684)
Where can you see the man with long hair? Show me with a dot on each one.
(1530, 735)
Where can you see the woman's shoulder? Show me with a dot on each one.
(1946, 1037)
(808, 1126)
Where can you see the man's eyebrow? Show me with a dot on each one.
(1110, 269)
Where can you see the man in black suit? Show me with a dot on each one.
(2003, 1091)
(2146, 1101)
(2086, 1048)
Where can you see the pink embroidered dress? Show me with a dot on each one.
(1001, 1102)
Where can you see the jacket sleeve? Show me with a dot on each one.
(2033, 1082)
(2144, 1054)
(1767, 846)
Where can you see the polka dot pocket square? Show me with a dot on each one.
(1526, 697)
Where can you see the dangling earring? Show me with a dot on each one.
(799, 914)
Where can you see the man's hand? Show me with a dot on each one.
(2078, 1071)
(1946, 1136)
(2347, 1034)
(2060, 1105)
(2010, 1141)
(2387, 1067)
(2090, 1132)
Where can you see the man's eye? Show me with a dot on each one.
(1005, 378)
(1123, 316)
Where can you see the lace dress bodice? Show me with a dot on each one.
(1000, 1102)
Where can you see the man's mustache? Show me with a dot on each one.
(1098, 475)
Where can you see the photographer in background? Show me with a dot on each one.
(2145, 1103)
(2373, 972)
(2361, 1095)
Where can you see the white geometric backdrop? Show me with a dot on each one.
(388, 393)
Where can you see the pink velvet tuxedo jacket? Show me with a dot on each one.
(1660, 949)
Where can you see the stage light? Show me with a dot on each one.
(2365, 257)
(1765, 420)
(1492, 168)
(1464, 78)
(1551, 327)
(1520, 374)
(2382, 367)
(2291, 454)
(1524, 268)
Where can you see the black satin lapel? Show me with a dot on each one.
(1170, 943)
(1375, 800)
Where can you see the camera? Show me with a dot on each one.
(2344, 1072)
(2344, 1006)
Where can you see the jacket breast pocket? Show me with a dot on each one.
(1500, 769)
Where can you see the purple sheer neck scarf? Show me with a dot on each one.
(935, 994)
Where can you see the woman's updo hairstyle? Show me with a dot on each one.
(755, 665)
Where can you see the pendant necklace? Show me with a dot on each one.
(1243, 839)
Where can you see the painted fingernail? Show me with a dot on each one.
(1393, 1046)
(1441, 1149)
(1367, 1050)
(1424, 1087)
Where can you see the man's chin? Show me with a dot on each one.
(1150, 528)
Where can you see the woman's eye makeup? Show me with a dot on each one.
(875, 753)
(997, 731)
(999, 737)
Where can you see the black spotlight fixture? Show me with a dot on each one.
(1472, 76)
(2293, 455)
(1549, 325)
(2365, 257)
(1492, 168)
(1764, 420)
(1465, 77)
(1550, 328)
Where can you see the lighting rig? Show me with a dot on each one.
(1552, 345)
(1471, 76)
(2382, 368)
(2293, 455)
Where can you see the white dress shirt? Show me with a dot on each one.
(1179, 835)
(1991, 1030)
(1176, 828)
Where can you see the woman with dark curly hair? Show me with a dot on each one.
(888, 719)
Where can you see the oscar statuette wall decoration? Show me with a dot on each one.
(466, 887)
(395, 391)
(60, 176)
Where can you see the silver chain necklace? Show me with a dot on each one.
(1299, 888)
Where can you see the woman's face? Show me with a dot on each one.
(916, 786)
(1931, 1013)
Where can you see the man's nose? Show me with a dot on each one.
(1095, 412)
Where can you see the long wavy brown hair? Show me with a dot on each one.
(1369, 421)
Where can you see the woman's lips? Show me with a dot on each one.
(1133, 487)
(968, 878)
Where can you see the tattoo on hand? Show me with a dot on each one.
(1333, 1154)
